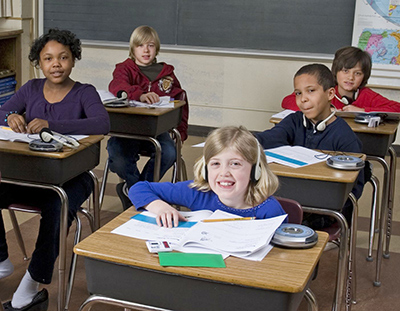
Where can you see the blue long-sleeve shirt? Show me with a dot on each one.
(143, 193)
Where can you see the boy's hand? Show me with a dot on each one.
(167, 216)
(150, 98)
(352, 108)
(36, 125)
(17, 123)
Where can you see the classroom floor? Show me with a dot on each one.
(368, 296)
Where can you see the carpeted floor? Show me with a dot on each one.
(368, 296)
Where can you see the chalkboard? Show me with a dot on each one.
(314, 26)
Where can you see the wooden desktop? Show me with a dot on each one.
(122, 268)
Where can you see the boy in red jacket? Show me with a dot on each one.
(145, 80)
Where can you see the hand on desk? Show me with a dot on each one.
(352, 108)
(150, 98)
(167, 216)
(17, 123)
(36, 125)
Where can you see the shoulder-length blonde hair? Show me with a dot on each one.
(141, 35)
(244, 143)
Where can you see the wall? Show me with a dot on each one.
(222, 88)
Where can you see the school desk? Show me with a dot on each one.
(120, 269)
(377, 142)
(146, 124)
(49, 170)
(323, 190)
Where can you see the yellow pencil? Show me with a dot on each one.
(6, 128)
(228, 219)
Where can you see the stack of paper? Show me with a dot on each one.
(6, 133)
(165, 102)
(248, 239)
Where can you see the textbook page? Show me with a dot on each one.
(294, 156)
(6, 133)
(106, 96)
(237, 238)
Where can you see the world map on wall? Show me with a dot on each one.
(383, 44)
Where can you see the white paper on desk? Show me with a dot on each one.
(237, 238)
(294, 156)
(149, 231)
(164, 102)
(283, 114)
(7, 134)
(199, 145)
(106, 96)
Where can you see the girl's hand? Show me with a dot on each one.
(36, 125)
(17, 123)
(167, 216)
(150, 98)
(352, 108)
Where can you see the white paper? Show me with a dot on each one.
(294, 156)
(238, 238)
(164, 102)
(200, 145)
(7, 133)
(283, 114)
(245, 239)
(106, 96)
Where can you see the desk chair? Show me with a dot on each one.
(179, 167)
(33, 209)
(295, 216)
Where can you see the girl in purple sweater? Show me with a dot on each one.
(65, 106)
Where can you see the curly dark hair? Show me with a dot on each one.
(64, 37)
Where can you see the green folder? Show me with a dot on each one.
(191, 260)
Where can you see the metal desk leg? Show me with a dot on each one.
(392, 182)
(343, 253)
(384, 206)
(178, 146)
(94, 299)
(157, 146)
(351, 278)
(312, 301)
(96, 200)
(104, 182)
(374, 219)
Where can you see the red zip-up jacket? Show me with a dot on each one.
(128, 77)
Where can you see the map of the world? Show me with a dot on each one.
(383, 44)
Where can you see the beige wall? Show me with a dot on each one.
(223, 88)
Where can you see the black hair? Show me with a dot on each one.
(64, 37)
(348, 57)
(321, 72)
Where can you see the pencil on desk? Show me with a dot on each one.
(228, 219)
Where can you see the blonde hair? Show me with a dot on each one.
(244, 143)
(141, 35)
